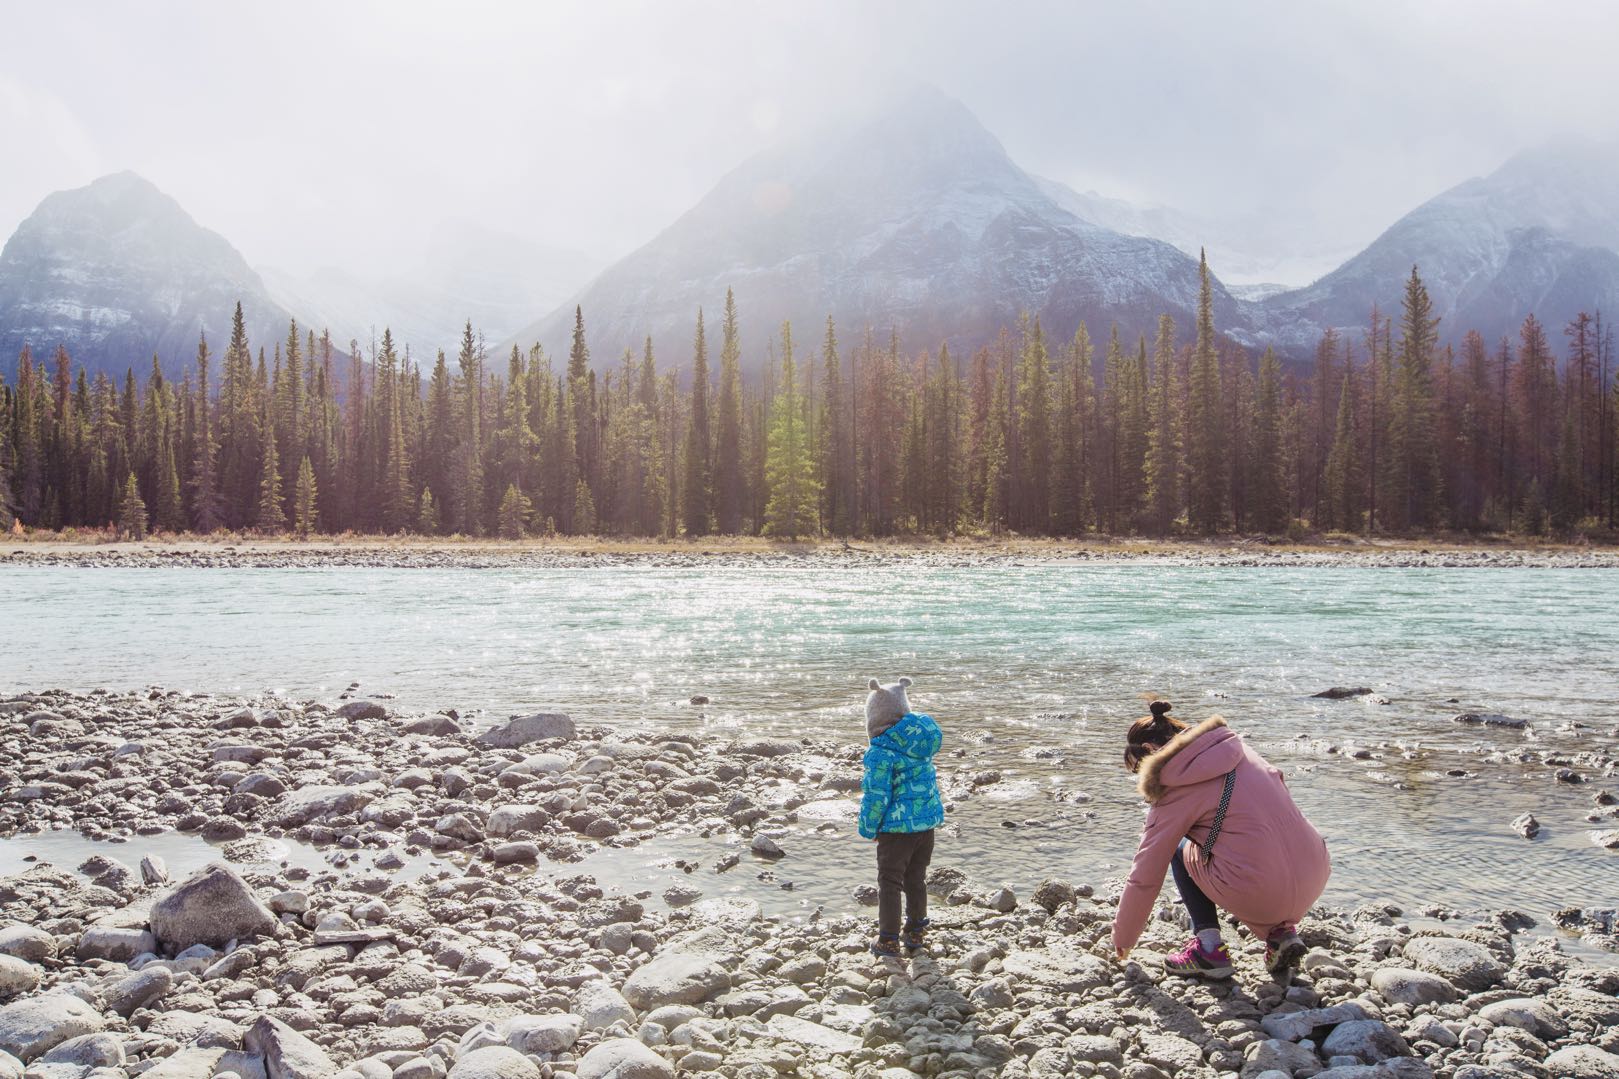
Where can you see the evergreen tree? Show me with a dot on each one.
(427, 520)
(579, 395)
(132, 512)
(1344, 481)
(1032, 478)
(515, 509)
(306, 515)
(399, 505)
(1266, 495)
(271, 518)
(698, 446)
(584, 509)
(789, 464)
(469, 517)
(728, 470)
(834, 438)
(1206, 482)
(207, 511)
(1415, 480)
(1163, 467)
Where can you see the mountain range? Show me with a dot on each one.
(915, 220)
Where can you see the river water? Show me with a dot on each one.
(1033, 672)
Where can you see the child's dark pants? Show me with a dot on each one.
(1199, 906)
(902, 868)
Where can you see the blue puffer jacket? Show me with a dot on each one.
(900, 792)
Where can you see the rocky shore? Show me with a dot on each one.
(429, 555)
(502, 961)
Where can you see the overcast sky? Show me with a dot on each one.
(345, 133)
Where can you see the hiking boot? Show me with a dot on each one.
(1283, 951)
(886, 946)
(1193, 961)
(915, 938)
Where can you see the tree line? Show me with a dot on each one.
(1391, 433)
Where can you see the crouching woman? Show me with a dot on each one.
(1222, 820)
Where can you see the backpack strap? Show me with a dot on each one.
(1219, 815)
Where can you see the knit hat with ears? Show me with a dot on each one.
(885, 706)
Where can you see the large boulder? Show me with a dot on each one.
(31, 1027)
(1398, 985)
(1583, 1062)
(136, 990)
(521, 730)
(600, 1006)
(307, 804)
(510, 819)
(16, 976)
(356, 710)
(542, 1033)
(622, 1058)
(1370, 1040)
(1464, 963)
(494, 1062)
(676, 978)
(287, 1054)
(27, 943)
(1527, 1013)
(213, 907)
(117, 943)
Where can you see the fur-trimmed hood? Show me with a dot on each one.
(1194, 755)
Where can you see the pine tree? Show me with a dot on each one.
(1415, 479)
(271, 518)
(1344, 481)
(997, 465)
(834, 438)
(207, 512)
(1163, 469)
(728, 497)
(306, 515)
(584, 509)
(698, 446)
(1266, 495)
(399, 505)
(1032, 476)
(579, 396)
(427, 520)
(789, 464)
(469, 516)
(1205, 478)
(515, 509)
(132, 512)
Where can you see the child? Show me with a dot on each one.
(900, 808)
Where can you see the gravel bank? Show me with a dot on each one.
(504, 964)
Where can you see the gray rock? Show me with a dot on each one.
(765, 847)
(522, 851)
(1398, 985)
(599, 1006)
(1275, 1055)
(1526, 825)
(1294, 1026)
(676, 978)
(194, 1063)
(1526, 1013)
(542, 1033)
(287, 1054)
(307, 804)
(623, 1058)
(494, 1062)
(136, 990)
(27, 943)
(1053, 893)
(31, 1027)
(1368, 1040)
(509, 819)
(116, 943)
(354, 710)
(214, 906)
(17, 976)
(521, 730)
(10, 1066)
(1583, 1062)
(88, 1051)
(1463, 963)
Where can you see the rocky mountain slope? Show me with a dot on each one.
(118, 271)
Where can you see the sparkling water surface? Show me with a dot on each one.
(1032, 671)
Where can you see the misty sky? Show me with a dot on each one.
(347, 133)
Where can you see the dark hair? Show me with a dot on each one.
(1150, 733)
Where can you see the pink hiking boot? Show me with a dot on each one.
(1194, 961)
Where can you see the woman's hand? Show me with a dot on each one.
(1121, 954)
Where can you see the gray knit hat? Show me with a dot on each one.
(885, 706)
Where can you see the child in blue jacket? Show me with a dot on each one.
(900, 808)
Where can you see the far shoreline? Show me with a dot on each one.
(234, 550)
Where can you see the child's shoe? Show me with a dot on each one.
(886, 946)
(916, 936)
(1283, 951)
(1194, 961)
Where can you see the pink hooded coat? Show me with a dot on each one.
(1269, 864)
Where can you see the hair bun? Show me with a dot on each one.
(1159, 708)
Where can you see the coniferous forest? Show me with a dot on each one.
(1183, 434)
